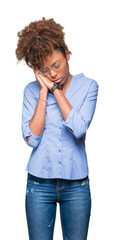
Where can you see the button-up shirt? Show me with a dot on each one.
(59, 152)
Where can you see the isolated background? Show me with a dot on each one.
(88, 25)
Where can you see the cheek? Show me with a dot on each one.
(65, 70)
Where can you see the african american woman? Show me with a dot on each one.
(57, 110)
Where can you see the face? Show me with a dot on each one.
(58, 67)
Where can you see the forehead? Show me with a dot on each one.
(55, 56)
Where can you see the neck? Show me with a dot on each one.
(67, 81)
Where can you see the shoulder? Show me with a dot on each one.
(82, 85)
(32, 88)
(84, 82)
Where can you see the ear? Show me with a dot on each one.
(67, 55)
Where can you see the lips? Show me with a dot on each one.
(58, 80)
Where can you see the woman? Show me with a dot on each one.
(57, 111)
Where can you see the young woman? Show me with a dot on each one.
(57, 111)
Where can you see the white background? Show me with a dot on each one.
(89, 31)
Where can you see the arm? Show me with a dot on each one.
(78, 122)
(38, 121)
(63, 103)
(33, 117)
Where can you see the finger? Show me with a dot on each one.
(38, 77)
(32, 66)
(42, 76)
(35, 69)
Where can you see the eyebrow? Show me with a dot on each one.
(52, 63)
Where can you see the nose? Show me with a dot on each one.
(53, 73)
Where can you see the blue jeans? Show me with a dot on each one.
(74, 199)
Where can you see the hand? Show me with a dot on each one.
(42, 85)
(43, 81)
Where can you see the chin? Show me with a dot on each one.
(65, 78)
(62, 82)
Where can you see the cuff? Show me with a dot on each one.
(34, 140)
(68, 121)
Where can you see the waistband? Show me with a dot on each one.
(76, 180)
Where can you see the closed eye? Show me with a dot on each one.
(56, 65)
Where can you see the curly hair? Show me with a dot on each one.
(38, 40)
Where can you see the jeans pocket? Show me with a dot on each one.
(85, 182)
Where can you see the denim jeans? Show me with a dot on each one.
(74, 199)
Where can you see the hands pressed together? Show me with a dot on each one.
(46, 84)
(43, 81)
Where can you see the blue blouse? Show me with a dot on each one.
(59, 152)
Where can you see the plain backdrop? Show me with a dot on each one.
(89, 35)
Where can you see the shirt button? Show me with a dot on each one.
(59, 139)
(59, 150)
(59, 127)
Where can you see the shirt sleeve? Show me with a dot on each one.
(78, 122)
(28, 109)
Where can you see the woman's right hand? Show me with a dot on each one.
(42, 85)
